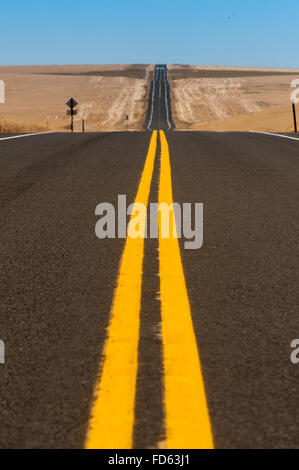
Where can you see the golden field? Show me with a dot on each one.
(203, 97)
(232, 98)
(36, 97)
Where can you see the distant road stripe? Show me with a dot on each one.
(152, 107)
(187, 417)
(112, 420)
(275, 135)
(24, 135)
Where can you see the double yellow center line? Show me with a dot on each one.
(187, 419)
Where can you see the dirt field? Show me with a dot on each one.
(232, 98)
(203, 97)
(36, 97)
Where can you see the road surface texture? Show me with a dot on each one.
(120, 343)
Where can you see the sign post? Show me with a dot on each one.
(72, 112)
(294, 114)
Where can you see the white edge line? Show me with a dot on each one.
(24, 135)
(167, 108)
(275, 135)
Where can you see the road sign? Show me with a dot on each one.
(72, 103)
(72, 112)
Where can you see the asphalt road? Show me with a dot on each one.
(58, 281)
(243, 283)
(159, 115)
(138, 343)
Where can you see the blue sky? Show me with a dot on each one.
(218, 32)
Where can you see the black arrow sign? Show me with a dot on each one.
(72, 103)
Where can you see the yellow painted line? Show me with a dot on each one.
(112, 419)
(187, 418)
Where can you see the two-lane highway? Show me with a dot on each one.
(140, 343)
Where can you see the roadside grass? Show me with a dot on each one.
(9, 127)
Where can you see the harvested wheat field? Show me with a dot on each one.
(36, 97)
(231, 98)
(203, 97)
